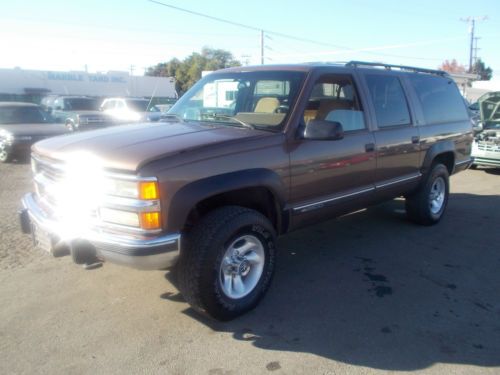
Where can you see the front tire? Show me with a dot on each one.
(428, 204)
(227, 262)
(5, 155)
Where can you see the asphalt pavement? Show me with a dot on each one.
(365, 293)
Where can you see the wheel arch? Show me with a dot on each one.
(444, 152)
(259, 189)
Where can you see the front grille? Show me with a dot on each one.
(93, 119)
(65, 200)
(490, 147)
(47, 173)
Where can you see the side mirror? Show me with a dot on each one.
(323, 130)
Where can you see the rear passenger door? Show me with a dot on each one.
(397, 137)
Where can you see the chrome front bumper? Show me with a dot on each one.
(159, 252)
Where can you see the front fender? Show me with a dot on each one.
(191, 194)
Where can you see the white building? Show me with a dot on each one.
(38, 82)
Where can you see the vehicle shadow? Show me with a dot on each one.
(371, 289)
(495, 171)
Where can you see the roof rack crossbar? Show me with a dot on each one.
(355, 64)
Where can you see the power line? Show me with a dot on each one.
(263, 33)
(249, 27)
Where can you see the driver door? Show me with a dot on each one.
(332, 176)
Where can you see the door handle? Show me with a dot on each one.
(415, 140)
(370, 147)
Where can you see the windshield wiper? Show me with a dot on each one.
(215, 116)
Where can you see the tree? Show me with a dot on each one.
(166, 69)
(484, 72)
(188, 71)
(452, 66)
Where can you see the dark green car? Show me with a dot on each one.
(79, 113)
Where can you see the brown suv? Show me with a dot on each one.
(248, 154)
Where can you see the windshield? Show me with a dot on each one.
(81, 104)
(261, 99)
(138, 105)
(22, 115)
(490, 110)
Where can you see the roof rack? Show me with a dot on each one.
(356, 64)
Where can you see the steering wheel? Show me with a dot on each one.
(281, 109)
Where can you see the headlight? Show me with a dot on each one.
(83, 120)
(146, 190)
(7, 136)
(127, 218)
(141, 193)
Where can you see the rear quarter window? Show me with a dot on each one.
(440, 99)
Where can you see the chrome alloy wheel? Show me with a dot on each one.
(437, 195)
(241, 267)
(4, 154)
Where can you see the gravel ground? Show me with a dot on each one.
(366, 293)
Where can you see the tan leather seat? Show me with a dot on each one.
(267, 105)
(328, 105)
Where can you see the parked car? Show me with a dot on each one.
(80, 113)
(21, 125)
(486, 146)
(130, 109)
(249, 153)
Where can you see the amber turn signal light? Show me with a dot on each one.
(148, 190)
(150, 220)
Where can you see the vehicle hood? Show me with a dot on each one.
(128, 147)
(39, 130)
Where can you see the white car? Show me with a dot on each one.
(130, 109)
(486, 146)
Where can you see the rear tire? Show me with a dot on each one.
(227, 263)
(427, 205)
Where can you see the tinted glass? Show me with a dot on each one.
(81, 104)
(391, 108)
(138, 105)
(440, 99)
(22, 115)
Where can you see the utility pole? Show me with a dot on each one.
(261, 47)
(472, 21)
(476, 48)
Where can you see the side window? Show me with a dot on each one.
(334, 98)
(119, 104)
(386, 92)
(108, 104)
(439, 97)
(58, 104)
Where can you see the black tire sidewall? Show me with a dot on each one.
(215, 300)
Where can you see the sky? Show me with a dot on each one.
(131, 35)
